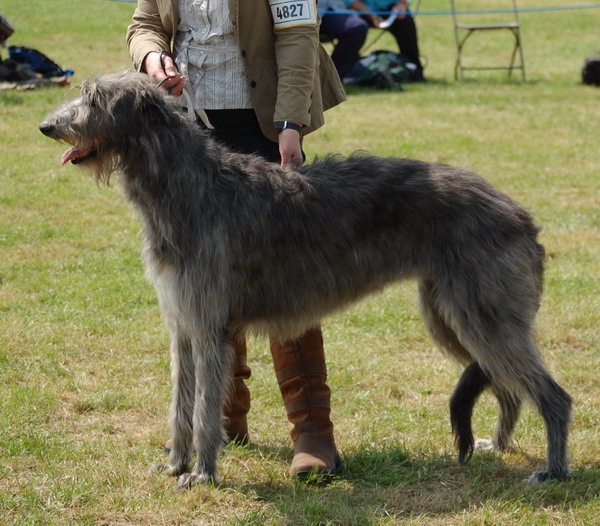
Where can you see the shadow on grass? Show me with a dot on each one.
(391, 483)
(353, 89)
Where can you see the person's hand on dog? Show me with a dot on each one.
(289, 148)
(161, 67)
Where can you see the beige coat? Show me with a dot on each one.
(291, 76)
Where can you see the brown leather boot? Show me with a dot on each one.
(236, 423)
(302, 375)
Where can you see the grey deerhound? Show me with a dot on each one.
(234, 243)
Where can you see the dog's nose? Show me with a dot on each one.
(46, 128)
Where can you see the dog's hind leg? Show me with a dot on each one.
(517, 371)
(554, 404)
(510, 409)
(440, 331)
(503, 345)
(472, 382)
(496, 331)
(511, 374)
(212, 357)
(182, 405)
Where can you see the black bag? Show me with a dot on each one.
(11, 71)
(382, 70)
(37, 62)
(590, 74)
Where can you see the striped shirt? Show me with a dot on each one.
(207, 52)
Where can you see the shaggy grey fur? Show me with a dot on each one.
(233, 243)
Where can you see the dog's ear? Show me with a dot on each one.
(88, 90)
(155, 105)
(102, 93)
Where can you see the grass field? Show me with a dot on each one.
(84, 369)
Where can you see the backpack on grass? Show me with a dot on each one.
(37, 62)
(382, 70)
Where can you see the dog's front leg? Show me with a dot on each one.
(212, 367)
(182, 405)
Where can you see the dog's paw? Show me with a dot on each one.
(188, 480)
(485, 444)
(542, 476)
(174, 471)
(537, 477)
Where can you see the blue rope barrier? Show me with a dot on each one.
(463, 12)
(467, 12)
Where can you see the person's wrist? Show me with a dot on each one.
(288, 125)
(152, 55)
(151, 61)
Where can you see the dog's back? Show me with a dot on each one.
(374, 220)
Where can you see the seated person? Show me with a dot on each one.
(349, 30)
(403, 28)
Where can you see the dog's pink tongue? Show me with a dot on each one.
(70, 154)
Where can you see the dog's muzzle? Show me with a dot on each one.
(47, 129)
(74, 154)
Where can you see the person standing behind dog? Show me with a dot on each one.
(258, 77)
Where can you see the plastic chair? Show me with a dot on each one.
(463, 31)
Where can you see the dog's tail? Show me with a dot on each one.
(471, 384)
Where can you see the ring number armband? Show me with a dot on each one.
(291, 13)
(288, 125)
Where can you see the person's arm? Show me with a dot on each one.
(147, 38)
(401, 7)
(357, 5)
(296, 53)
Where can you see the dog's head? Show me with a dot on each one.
(109, 118)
